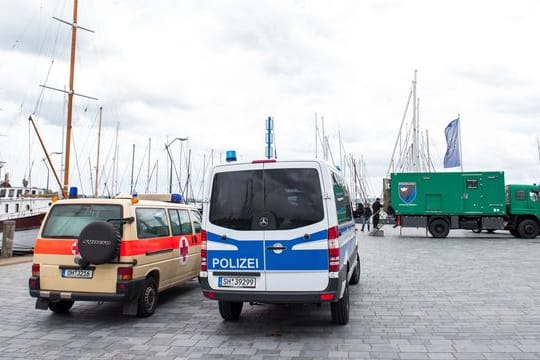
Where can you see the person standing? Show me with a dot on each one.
(376, 212)
(366, 215)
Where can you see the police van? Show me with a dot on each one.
(125, 249)
(278, 232)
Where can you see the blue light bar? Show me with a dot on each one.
(73, 192)
(176, 198)
(230, 155)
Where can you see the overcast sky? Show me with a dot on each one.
(213, 71)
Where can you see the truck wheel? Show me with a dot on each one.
(355, 278)
(61, 307)
(230, 310)
(439, 228)
(340, 308)
(147, 302)
(528, 229)
(514, 232)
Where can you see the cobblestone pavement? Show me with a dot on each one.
(470, 296)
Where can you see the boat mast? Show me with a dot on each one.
(316, 133)
(70, 92)
(98, 146)
(538, 144)
(70, 97)
(148, 172)
(416, 130)
(132, 169)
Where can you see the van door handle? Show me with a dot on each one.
(276, 247)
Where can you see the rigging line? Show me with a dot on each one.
(140, 168)
(87, 139)
(40, 97)
(39, 101)
(77, 162)
(124, 176)
(108, 162)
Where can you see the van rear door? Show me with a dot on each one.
(296, 244)
(235, 246)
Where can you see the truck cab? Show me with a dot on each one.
(523, 209)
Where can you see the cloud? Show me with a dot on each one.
(214, 72)
(498, 76)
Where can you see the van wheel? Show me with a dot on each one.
(355, 278)
(147, 302)
(340, 308)
(61, 307)
(528, 229)
(230, 310)
(439, 228)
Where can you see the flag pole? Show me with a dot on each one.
(459, 137)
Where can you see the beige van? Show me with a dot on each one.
(126, 249)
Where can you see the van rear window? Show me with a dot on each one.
(287, 198)
(67, 221)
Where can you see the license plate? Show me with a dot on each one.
(236, 282)
(77, 273)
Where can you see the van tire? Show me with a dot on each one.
(147, 301)
(61, 307)
(528, 229)
(340, 308)
(355, 278)
(98, 252)
(439, 228)
(230, 310)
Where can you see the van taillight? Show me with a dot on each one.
(35, 270)
(124, 273)
(333, 250)
(204, 263)
(333, 233)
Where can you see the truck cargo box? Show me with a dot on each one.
(448, 193)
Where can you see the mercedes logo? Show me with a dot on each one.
(263, 221)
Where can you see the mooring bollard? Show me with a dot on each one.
(7, 238)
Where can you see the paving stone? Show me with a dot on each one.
(469, 296)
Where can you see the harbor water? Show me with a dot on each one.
(23, 241)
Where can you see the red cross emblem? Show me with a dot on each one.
(75, 248)
(184, 249)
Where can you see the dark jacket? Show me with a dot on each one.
(367, 212)
(376, 207)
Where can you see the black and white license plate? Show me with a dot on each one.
(236, 282)
(77, 273)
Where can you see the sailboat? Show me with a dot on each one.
(70, 92)
(23, 204)
(28, 205)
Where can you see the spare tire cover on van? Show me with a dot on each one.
(99, 242)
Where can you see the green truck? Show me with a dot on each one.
(463, 200)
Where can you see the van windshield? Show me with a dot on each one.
(282, 198)
(67, 220)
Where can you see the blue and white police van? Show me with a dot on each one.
(278, 232)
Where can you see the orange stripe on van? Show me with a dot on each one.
(54, 246)
(127, 247)
(140, 247)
